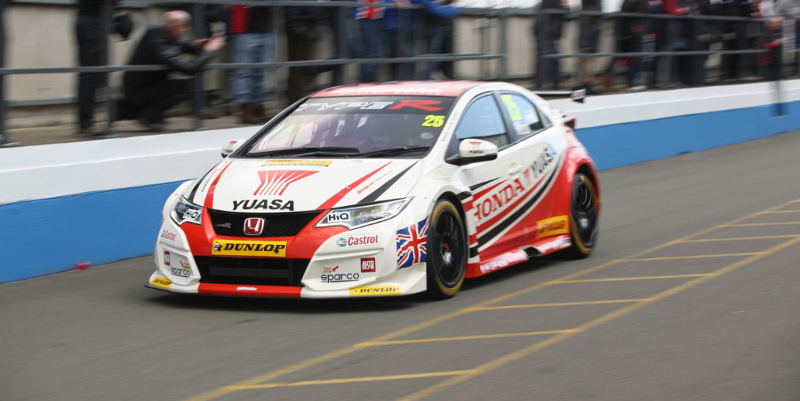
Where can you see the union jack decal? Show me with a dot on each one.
(411, 244)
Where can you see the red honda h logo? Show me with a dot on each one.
(253, 226)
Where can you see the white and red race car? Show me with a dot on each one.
(382, 190)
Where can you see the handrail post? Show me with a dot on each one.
(282, 93)
(341, 32)
(199, 19)
(3, 141)
(503, 48)
(107, 11)
(696, 64)
(542, 27)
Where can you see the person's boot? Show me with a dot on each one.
(248, 114)
(262, 115)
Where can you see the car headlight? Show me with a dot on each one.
(353, 217)
(187, 212)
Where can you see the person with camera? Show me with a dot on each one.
(149, 94)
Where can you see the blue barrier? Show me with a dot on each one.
(635, 142)
(51, 235)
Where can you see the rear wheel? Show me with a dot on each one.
(447, 251)
(583, 217)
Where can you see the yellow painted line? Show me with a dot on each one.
(780, 211)
(739, 238)
(603, 280)
(537, 346)
(475, 337)
(611, 301)
(271, 375)
(781, 223)
(721, 255)
(351, 380)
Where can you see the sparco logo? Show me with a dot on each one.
(253, 226)
(362, 240)
(339, 277)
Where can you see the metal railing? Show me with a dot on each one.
(342, 8)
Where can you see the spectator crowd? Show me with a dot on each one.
(753, 47)
(380, 29)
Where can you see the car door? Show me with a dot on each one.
(539, 147)
(495, 184)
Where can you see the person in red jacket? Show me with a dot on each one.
(773, 39)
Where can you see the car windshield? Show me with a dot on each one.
(372, 126)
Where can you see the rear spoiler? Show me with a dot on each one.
(577, 94)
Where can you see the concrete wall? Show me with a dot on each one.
(101, 201)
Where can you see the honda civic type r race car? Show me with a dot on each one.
(382, 190)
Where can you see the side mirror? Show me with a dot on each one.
(569, 121)
(231, 147)
(472, 150)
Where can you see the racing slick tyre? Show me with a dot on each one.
(447, 250)
(583, 218)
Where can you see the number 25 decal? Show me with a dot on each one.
(433, 121)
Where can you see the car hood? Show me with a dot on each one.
(284, 185)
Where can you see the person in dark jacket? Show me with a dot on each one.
(548, 32)
(252, 41)
(149, 94)
(302, 34)
(88, 30)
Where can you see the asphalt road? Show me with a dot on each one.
(691, 295)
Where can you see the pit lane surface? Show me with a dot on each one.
(692, 294)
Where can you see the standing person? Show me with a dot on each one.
(252, 41)
(789, 12)
(548, 32)
(677, 31)
(589, 39)
(89, 31)
(631, 34)
(400, 38)
(368, 38)
(149, 94)
(302, 35)
(773, 39)
(655, 40)
(439, 15)
(731, 38)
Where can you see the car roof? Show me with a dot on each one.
(413, 88)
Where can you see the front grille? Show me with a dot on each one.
(219, 270)
(275, 224)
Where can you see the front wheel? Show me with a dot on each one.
(447, 250)
(583, 217)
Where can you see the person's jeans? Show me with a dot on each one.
(401, 44)
(440, 41)
(247, 84)
(368, 43)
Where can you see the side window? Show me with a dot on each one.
(483, 120)
(522, 113)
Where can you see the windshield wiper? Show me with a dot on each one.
(305, 151)
(394, 151)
